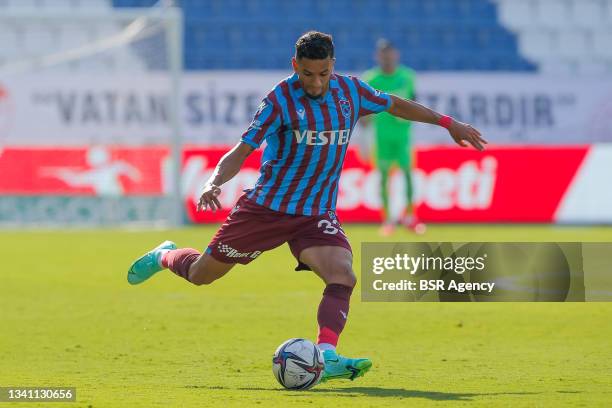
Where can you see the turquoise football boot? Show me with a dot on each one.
(148, 264)
(339, 367)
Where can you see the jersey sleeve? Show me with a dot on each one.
(266, 122)
(371, 100)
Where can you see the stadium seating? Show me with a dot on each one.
(562, 36)
(552, 36)
(432, 34)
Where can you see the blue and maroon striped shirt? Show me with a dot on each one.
(306, 142)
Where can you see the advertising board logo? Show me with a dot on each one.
(102, 175)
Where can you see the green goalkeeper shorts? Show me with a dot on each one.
(393, 150)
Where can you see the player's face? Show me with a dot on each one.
(387, 59)
(314, 74)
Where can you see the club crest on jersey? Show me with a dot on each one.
(345, 106)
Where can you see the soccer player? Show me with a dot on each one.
(307, 121)
(392, 133)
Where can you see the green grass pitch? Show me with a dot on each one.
(69, 318)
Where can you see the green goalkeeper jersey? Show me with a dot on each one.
(400, 83)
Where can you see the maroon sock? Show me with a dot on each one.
(179, 261)
(333, 311)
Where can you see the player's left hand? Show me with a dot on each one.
(209, 199)
(464, 134)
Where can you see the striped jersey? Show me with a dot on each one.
(306, 141)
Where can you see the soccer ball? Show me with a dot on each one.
(298, 364)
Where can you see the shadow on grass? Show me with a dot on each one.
(373, 392)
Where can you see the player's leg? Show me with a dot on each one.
(407, 171)
(386, 153)
(406, 163)
(384, 170)
(199, 269)
(333, 264)
(320, 245)
(248, 231)
(188, 263)
(409, 217)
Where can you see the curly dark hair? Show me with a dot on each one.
(314, 45)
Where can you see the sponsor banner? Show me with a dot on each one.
(96, 170)
(501, 184)
(497, 185)
(217, 106)
(486, 272)
(79, 109)
(521, 108)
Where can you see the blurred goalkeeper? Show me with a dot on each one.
(392, 134)
(307, 120)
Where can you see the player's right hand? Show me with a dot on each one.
(209, 199)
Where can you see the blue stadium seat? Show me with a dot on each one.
(431, 34)
(134, 3)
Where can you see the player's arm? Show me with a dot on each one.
(462, 133)
(266, 122)
(226, 169)
(367, 119)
